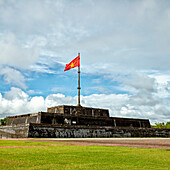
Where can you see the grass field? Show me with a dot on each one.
(26, 143)
(80, 157)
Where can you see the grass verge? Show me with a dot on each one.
(83, 157)
(27, 143)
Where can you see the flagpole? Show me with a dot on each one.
(79, 84)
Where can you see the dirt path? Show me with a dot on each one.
(159, 143)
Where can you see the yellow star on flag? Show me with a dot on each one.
(72, 65)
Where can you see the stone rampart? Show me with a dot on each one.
(75, 131)
(14, 131)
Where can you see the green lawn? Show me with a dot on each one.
(83, 157)
(26, 143)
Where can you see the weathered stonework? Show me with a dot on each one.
(78, 122)
(14, 131)
(37, 130)
(74, 115)
(75, 131)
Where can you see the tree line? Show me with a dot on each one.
(161, 125)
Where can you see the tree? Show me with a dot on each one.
(162, 125)
(3, 121)
(168, 125)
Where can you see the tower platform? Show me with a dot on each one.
(76, 122)
(76, 115)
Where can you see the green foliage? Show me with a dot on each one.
(3, 121)
(84, 157)
(168, 125)
(161, 125)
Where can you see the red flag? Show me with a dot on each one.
(73, 63)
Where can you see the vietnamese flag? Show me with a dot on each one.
(73, 63)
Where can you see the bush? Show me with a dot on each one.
(3, 121)
(161, 125)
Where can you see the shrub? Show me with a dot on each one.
(161, 125)
(3, 121)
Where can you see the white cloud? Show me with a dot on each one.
(59, 99)
(12, 53)
(133, 34)
(16, 93)
(135, 106)
(13, 77)
(13, 102)
(162, 80)
(40, 69)
(16, 102)
(142, 82)
(36, 104)
(31, 92)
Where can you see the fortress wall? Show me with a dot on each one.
(60, 131)
(129, 122)
(18, 120)
(27, 118)
(32, 119)
(75, 110)
(15, 131)
(53, 118)
(67, 131)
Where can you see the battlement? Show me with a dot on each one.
(79, 111)
(75, 115)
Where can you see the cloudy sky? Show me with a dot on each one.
(125, 56)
